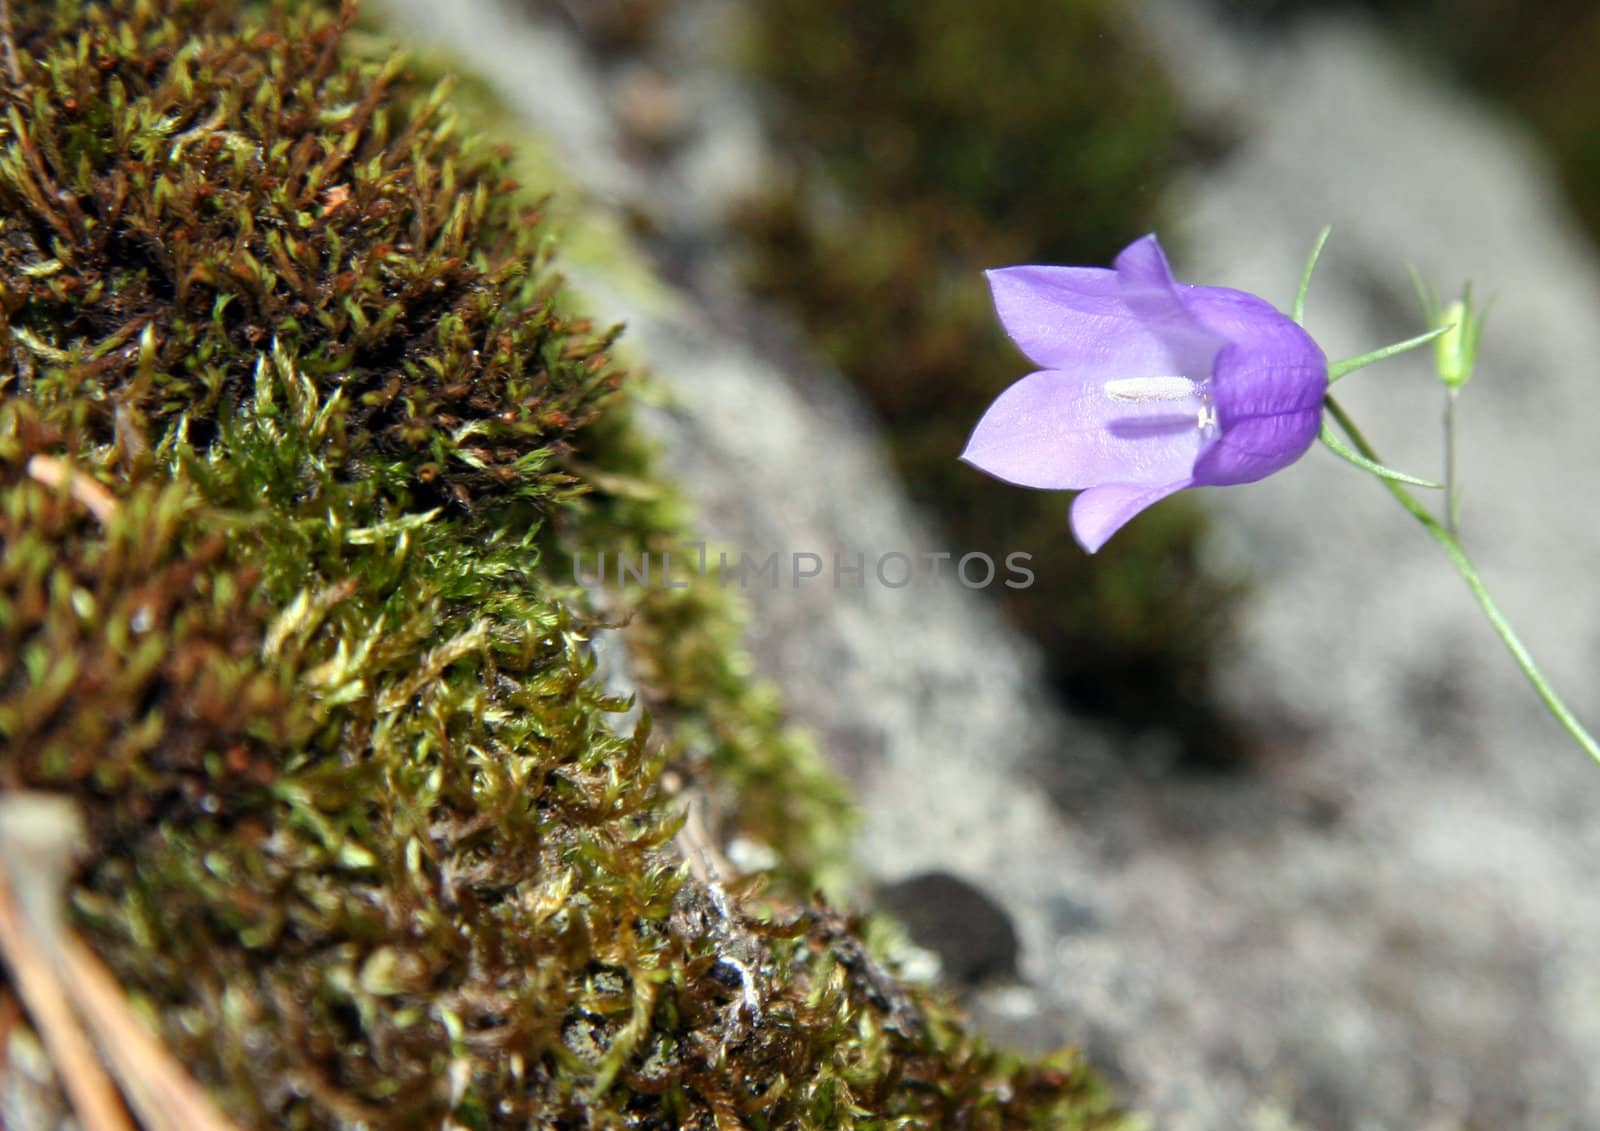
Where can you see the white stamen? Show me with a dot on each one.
(1138, 390)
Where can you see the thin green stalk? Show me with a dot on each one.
(1298, 311)
(1452, 548)
(1451, 502)
(1344, 451)
(1339, 369)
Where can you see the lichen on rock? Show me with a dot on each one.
(295, 427)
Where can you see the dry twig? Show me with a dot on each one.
(10, 40)
(70, 996)
(53, 472)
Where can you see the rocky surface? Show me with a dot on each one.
(1389, 923)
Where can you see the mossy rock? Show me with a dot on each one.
(296, 433)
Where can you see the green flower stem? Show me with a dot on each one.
(1298, 311)
(1452, 548)
(1452, 502)
(1339, 448)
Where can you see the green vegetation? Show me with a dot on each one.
(296, 437)
(932, 139)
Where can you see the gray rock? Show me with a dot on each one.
(971, 934)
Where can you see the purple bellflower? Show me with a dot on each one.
(1146, 386)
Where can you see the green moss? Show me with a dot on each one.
(932, 140)
(763, 779)
(367, 840)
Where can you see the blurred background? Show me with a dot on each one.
(1251, 803)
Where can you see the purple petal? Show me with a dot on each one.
(1156, 300)
(1267, 385)
(1061, 430)
(1230, 314)
(1100, 512)
(1073, 319)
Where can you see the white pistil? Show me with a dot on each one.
(1139, 390)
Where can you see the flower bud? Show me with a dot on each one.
(1456, 350)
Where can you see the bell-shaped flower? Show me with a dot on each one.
(1146, 386)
